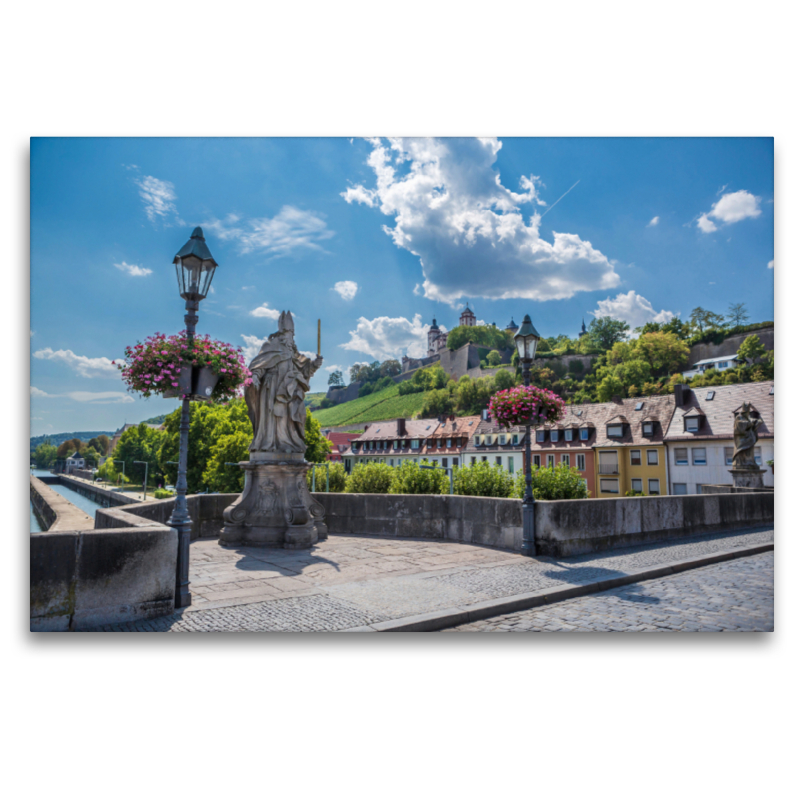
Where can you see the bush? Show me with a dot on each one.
(483, 480)
(553, 483)
(494, 359)
(366, 389)
(370, 479)
(576, 366)
(326, 403)
(336, 477)
(631, 493)
(410, 478)
(162, 494)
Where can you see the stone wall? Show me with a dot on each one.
(54, 511)
(85, 578)
(96, 493)
(730, 346)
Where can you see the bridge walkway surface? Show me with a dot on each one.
(370, 583)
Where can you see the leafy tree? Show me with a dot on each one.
(702, 319)
(45, 455)
(609, 387)
(438, 401)
(334, 474)
(317, 445)
(472, 396)
(737, 314)
(605, 331)
(372, 478)
(99, 443)
(553, 483)
(494, 359)
(223, 473)
(390, 368)
(576, 366)
(140, 443)
(664, 352)
(336, 378)
(486, 335)
(752, 349)
(410, 478)
(503, 379)
(483, 480)
(67, 448)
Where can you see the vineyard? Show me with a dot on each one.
(386, 404)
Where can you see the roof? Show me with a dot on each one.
(656, 408)
(343, 439)
(714, 360)
(387, 429)
(717, 420)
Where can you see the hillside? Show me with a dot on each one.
(57, 438)
(314, 398)
(386, 404)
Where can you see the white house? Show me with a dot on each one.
(75, 461)
(719, 362)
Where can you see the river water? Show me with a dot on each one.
(78, 500)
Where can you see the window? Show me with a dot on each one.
(396, 444)
(551, 461)
(449, 442)
(498, 460)
(653, 486)
(608, 463)
(729, 456)
(636, 458)
(477, 441)
(415, 460)
(515, 439)
(565, 458)
(539, 436)
(636, 484)
(709, 396)
(434, 461)
(609, 486)
(584, 434)
(455, 462)
(444, 463)
(722, 365)
(679, 488)
(692, 424)
(483, 458)
(391, 462)
(652, 458)
(757, 454)
(581, 459)
(698, 455)
(472, 460)
(647, 428)
(537, 461)
(415, 444)
(615, 430)
(639, 406)
(568, 435)
(554, 435)
(502, 438)
(511, 464)
(681, 456)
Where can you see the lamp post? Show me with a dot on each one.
(526, 339)
(146, 466)
(194, 267)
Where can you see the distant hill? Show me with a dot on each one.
(385, 404)
(155, 420)
(57, 438)
(314, 398)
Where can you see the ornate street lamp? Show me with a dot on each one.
(526, 339)
(195, 267)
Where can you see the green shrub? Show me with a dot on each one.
(162, 494)
(370, 479)
(335, 476)
(409, 478)
(576, 366)
(483, 480)
(366, 389)
(553, 483)
(326, 403)
(631, 493)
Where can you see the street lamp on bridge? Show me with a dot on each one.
(526, 339)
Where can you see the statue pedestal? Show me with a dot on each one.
(276, 508)
(748, 477)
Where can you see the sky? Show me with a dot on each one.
(376, 237)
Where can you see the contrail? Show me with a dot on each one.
(562, 197)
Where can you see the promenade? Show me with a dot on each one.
(363, 583)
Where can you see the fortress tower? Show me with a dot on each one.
(467, 317)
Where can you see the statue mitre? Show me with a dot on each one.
(285, 322)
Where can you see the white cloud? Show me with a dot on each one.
(451, 210)
(653, 222)
(346, 289)
(83, 365)
(771, 264)
(264, 311)
(308, 354)
(631, 308)
(132, 269)
(158, 197)
(39, 393)
(389, 337)
(32, 332)
(731, 207)
(100, 397)
(333, 367)
(252, 344)
(289, 229)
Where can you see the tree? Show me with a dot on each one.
(503, 379)
(317, 445)
(737, 314)
(67, 448)
(390, 368)
(609, 387)
(223, 473)
(140, 443)
(751, 349)
(336, 378)
(605, 331)
(485, 335)
(437, 402)
(494, 359)
(702, 319)
(45, 455)
(665, 352)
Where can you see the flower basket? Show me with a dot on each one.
(526, 405)
(169, 367)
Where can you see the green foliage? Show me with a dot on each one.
(483, 480)
(751, 349)
(494, 359)
(605, 331)
(437, 402)
(631, 493)
(317, 445)
(410, 478)
(372, 478)
(486, 335)
(337, 477)
(701, 319)
(472, 396)
(737, 314)
(223, 473)
(425, 380)
(140, 443)
(365, 390)
(665, 352)
(45, 455)
(326, 403)
(100, 444)
(163, 494)
(503, 379)
(576, 366)
(371, 373)
(553, 483)
(336, 378)
(390, 368)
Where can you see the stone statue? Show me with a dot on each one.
(745, 425)
(276, 508)
(275, 400)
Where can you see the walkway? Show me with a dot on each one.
(732, 596)
(351, 582)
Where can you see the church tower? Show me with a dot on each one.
(433, 335)
(467, 317)
(583, 329)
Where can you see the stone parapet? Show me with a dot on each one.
(55, 512)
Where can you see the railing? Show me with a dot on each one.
(608, 469)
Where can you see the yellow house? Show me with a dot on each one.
(630, 455)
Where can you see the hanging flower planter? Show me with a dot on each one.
(526, 405)
(167, 366)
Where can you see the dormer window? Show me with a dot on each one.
(449, 442)
(614, 430)
(502, 438)
(692, 422)
(515, 438)
(568, 435)
(554, 435)
(415, 444)
(648, 428)
(477, 441)
(396, 444)
(539, 436)
(584, 434)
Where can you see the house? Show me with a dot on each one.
(699, 439)
(497, 445)
(718, 362)
(75, 461)
(340, 444)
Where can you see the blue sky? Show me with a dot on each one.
(375, 237)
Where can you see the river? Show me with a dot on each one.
(78, 500)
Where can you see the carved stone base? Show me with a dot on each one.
(749, 478)
(276, 508)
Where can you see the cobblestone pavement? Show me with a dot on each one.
(351, 581)
(730, 596)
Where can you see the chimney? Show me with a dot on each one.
(401, 427)
(616, 399)
(681, 393)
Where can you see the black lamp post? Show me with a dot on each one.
(526, 339)
(194, 266)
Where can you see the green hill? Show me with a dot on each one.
(314, 398)
(386, 404)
